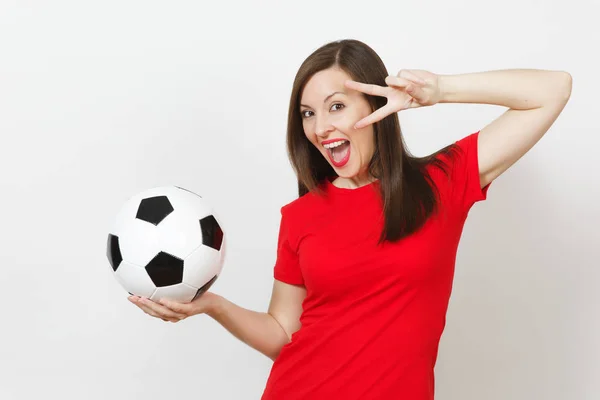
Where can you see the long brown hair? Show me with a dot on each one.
(409, 194)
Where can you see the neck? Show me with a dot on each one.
(353, 182)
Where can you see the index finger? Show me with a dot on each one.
(373, 90)
(161, 309)
(183, 308)
(376, 116)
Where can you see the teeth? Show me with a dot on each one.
(334, 144)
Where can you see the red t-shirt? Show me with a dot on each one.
(373, 315)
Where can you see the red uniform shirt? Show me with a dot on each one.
(373, 315)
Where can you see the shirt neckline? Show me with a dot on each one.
(349, 191)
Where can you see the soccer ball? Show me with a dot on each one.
(166, 242)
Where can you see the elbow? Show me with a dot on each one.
(565, 86)
(274, 353)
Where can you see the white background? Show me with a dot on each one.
(100, 100)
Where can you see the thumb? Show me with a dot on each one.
(417, 93)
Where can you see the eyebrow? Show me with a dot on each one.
(326, 98)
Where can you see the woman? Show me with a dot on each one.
(366, 254)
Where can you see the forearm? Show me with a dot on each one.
(259, 330)
(520, 89)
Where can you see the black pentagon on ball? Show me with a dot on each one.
(204, 288)
(212, 235)
(165, 269)
(113, 251)
(154, 209)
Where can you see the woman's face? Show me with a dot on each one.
(329, 111)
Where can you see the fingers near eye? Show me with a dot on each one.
(376, 116)
(417, 79)
(409, 75)
(397, 81)
(373, 90)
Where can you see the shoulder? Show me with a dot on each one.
(458, 172)
(450, 157)
(459, 148)
(303, 205)
(300, 213)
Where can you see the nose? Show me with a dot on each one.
(323, 126)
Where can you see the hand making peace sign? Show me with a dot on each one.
(411, 88)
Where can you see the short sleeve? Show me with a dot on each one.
(465, 184)
(287, 267)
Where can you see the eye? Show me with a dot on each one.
(303, 113)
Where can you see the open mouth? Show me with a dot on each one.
(339, 152)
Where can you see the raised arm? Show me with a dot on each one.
(535, 99)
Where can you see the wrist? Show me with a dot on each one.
(215, 305)
(447, 88)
